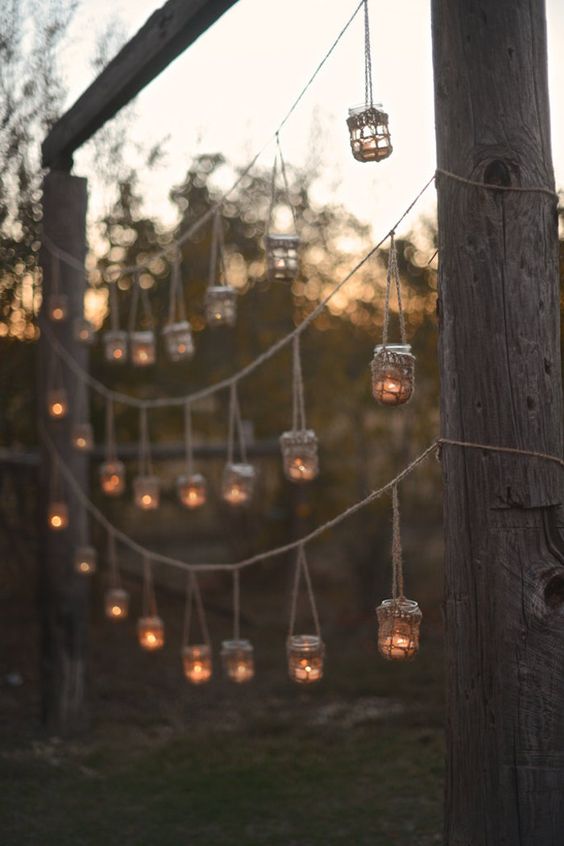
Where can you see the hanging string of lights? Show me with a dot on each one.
(399, 618)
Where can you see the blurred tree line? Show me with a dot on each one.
(361, 445)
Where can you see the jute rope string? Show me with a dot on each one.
(293, 545)
(185, 236)
(167, 402)
(149, 598)
(235, 428)
(111, 450)
(115, 579)
(236, 606)
(519, 189)
(298, 399)
(176, 305)
(145, 460)
(193, 595)
(286, 183)
(368, 95)
(188, 448)
(397, 559)
(393, 279)
(302, 568)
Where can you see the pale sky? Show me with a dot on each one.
(228, 92)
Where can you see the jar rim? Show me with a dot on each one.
(357, 110)
(201, 649)
(234, 644)
(305, 640)
(151, 620)
(401, 602)
(395, 348)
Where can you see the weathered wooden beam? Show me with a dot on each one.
(500, 384)
(167, 33)
(63, 596)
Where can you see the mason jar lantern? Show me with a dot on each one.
(192, 490)
(58, 308)
(237, 657)
(220, 305)
(197, 663)
(399, 621)
(146, 492)
(282, 257)
(150, 633)
(82, 437)
(57, 403)
(306, 655)
(85, 559)
(116, 603)
(238, 483)
(83, 331)
(299, 455)
(115, 346)
(369, 133)
(58, 515)
(112, 478)
(142, 347)
(393, 374)
(178, 340)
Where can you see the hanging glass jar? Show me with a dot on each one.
(192, 490)
(369, 133)
(150, 633)
(306, 652)
(142, 348)
(220, 302)
(58, 515)
(178, 340)
(57, 403)
(221, 305)
(85, 559)
(82, 437)
(115, 346)
(282, 261)
(238, 660)
(306, 655)
(197, 663)
(299, 454)
(112, 477)
(146, 492)
(393, 374)
(368, 124)
(58, 308)
(116, 603)
(399, 621)
(238, 483)
(83, 331)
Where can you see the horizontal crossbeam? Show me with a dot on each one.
(166, 34)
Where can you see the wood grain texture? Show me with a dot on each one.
(167, 33)
(500, 384)
(63, 597)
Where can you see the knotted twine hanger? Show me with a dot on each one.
(55, 486)
(393, 278)
(235, 428)
(111, 448)
(55, 375)
(397, 560)
(298, 401)
(114, 305)
(137, 293)
(188, 448)
(236, 606)
(279, 156)
(115, 577)
(193, 594)
(149, 597)
(302, 567)
(145, 460)
(217, 254)
(368, 95)
(176, 305)
(55, 273)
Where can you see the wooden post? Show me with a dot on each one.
(500, 384)
(63, 594)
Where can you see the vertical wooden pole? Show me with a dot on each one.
(63, 594)
(500, 384)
